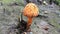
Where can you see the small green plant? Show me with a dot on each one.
(58, 2)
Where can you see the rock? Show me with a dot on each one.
(45, 3)
(46, 12)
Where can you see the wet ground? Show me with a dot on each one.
(9, 19)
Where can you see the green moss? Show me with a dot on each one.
(6, 2)
(54, 20)
(58, 2)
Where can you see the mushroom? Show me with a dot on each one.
(30, 10)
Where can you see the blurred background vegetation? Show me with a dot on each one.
(10, 9)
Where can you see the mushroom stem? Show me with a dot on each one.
(29, 22)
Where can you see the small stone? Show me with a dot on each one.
(31, 33)
(45, 3)
(46, 12)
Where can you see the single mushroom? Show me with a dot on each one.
(30, 10)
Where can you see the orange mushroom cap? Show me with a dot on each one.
(30, 10)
